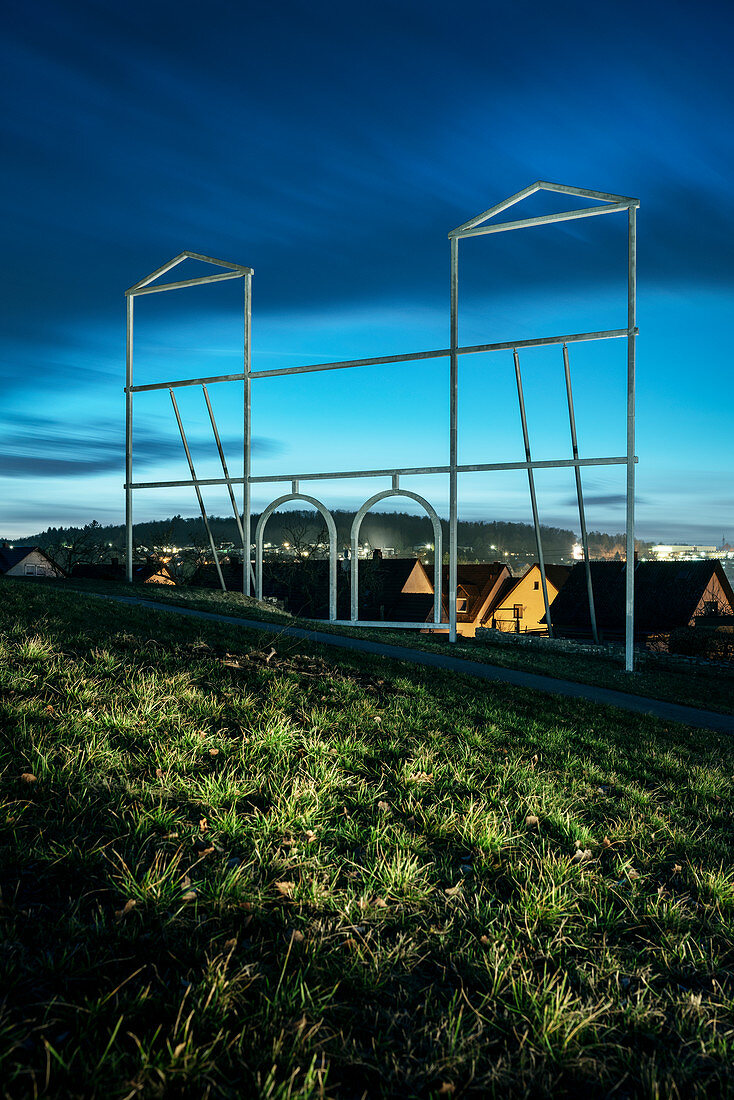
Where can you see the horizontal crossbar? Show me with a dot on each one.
(410, 357)
(334, 475)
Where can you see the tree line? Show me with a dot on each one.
(401, 532)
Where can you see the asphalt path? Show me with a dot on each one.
(668, 712)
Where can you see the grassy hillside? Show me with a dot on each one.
(231, 868)
(698, 685)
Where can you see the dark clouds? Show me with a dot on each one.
(38, 446)
(331, 146)
(593, 499)
(333, 153)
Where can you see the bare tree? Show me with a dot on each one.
(82, 546)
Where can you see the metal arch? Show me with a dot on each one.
(331, 527)
(437, 547)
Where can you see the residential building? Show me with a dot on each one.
(668, 595)
(520, 608)
(27, 561)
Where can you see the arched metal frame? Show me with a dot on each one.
(437, 547)
(479, 225)
(331, 527)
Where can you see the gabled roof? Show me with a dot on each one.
(667, 594)
(556, 574)
(607, 203)
(144, 285)
(10, 557)
(481, 581)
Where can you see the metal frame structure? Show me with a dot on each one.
(481, 225)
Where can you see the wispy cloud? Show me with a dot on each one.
(40, 446)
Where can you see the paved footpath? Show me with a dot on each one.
(668, 712)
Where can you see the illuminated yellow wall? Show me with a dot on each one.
(530, 597)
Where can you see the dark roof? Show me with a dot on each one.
(387, 577)
(477, 574)
(115, 571)
(666, 595)
(412, 607)
(477, 581)
(10, 557)
(558, 574)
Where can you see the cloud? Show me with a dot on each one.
(39, 446)
(601, 499)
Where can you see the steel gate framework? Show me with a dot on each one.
(480, 225)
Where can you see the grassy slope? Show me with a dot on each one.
(295, 876)
(694, 686)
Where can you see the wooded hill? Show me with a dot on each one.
(401, 531)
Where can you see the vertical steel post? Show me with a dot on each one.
(354, 578)
(533, 501)
(631, 350)
(129, 444)
(580, 495)
(453, 437)
(246, 490)
(198, 490)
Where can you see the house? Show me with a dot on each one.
(147, 572)
(668, 595)
(403, 589)
(27, 561)
(521, 607)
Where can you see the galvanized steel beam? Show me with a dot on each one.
(580, 494)
(629, 658)
(543, 219)
(453, 434)
(533, 500)
(198, 490)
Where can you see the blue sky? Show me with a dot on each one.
(331, 147)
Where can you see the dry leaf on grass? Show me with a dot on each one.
(377, 719)
(350, 944)
(606, 842)
(447, 1089)
(214, 752)
(485, 941)
(190, 895)
(677, 868)
(383, 807)
(285, 888)
(159, 773)
(297, 936)
(453, 891)
(129, 904)
(310, 835)
(380, 903)
(532, 820)
(203, 824)
(28, 777)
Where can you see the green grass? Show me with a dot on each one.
(236, 868)
(695, 685)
